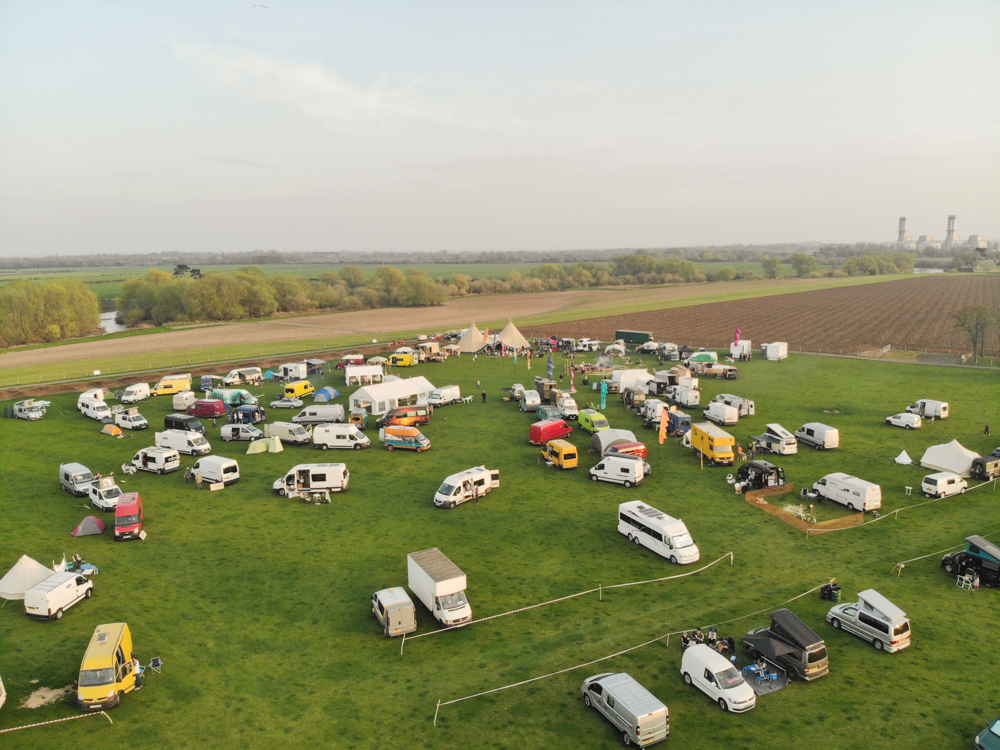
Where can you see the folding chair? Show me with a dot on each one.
(155, 664)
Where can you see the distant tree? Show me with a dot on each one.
(181, 269)
(804, 264)
(419, 290)
(977, 322)
(772, 267)
(388, 280)
(195, 273)
(353, 276)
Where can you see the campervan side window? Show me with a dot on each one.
(318, 477)
(872, 622)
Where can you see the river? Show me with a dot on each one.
(108, 323)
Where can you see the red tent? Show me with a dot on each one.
(89, 526)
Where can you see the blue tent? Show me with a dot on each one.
(325, 394)
(269, 375)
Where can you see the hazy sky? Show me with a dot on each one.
(221, 125)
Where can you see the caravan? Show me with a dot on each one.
(666, 536)
(304, 479)
(856, 494)
(466, 485)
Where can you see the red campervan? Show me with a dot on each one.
(548, 429)
(128, 516)
(210, 407)
(628, 449)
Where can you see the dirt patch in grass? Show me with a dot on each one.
(44, 696)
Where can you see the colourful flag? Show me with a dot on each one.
(529, 359)
(552, 367)
(604, 394)
(572, 385)
(515, 356)
(738, 332)
(663, 427)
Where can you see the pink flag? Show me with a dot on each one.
(738, 332)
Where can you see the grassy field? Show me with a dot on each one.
(258, 605)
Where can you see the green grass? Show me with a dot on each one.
(259, 605)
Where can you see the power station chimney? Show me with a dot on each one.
(949, 239)
(902, 230)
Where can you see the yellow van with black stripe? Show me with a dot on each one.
(107, 671)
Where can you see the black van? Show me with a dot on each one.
(183, 422)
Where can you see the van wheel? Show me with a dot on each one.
(850, 507)
(636, 540)
(879, 646)
(836, 623)
(452, 504)
(949, 567)
(388, 447)
(687, 679)
(419, 449)
(358, 447)
(90, 593)
(324, 446)
(627, 739)
(627, 483)
(159, 471)
(282, 492)
(908, 426)
(723, 705)
(816, 446)
(593, 477)
(673, 559)
(962, 491)
(58, 615)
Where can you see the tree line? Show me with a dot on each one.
(980, 326)
(33, 313)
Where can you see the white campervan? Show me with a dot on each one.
(135, 393)
(856, 494)
(619, 468)
(819, 436)
(94, 408)
(340, 436)
(466, 485)
(303, 479)
(183, 399)
(157, 460)
(927, 407)
(288, 433)
(215, 469)
(655, 530)
(780, 440)
(320, 414)
(57, 593)
(446, 394)
(104, 493)
(182, 441)
(721, 414)
(714, 675)
(943, 484)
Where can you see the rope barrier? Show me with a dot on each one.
(570, 596)
(618, 653)
(56, 721)
(895, 513)
(949, 549)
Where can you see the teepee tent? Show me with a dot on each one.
(25, 574)
(472, 341)
(89, 526)
(512, 338)
(274, 445)
(951, 457)
(3, 694)
(904, 458)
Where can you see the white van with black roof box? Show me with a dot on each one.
(52, 597)
(348, 436)
(639, 715)
(655, 530)
(466, 485)
(856, 494)
(215, 469)
(288, 432)
(943, 484)
(182, 441)
(819, 436)
(619, 469)
(76, 478)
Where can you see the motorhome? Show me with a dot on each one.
(819, 436)
(666, 536)
(233, 396)
(182, 441)
(243, 376)
(290, 371)
(50, 599)
(215, 469)
(320, 414)
(561, 454)
(94, 408)
(288, 432)
(394, 611)
(718, 678)
(104, 493)
(929, 409)
(129, 418)
(347, 436)
(470, 484)
(943, 484)
(128, 517)
(157, 460)
(715, 444)
(721, 414)
(639, 715)
(76, 479)
(652, 412)
(874, 619)
(567, 404)
(619, 469)
(447, 394)
(440, 586)
(856, 494)
(135, 393)
(304, 479)
(587, 345)
(107, 671)
(744, 406)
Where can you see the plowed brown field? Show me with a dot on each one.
(913, 314)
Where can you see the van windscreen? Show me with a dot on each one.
(97, 677)
(682, 540)
(127, 520)
(80, 478)
(453, 601)
(446, 489)
(729, 678)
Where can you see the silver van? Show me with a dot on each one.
(638, 714)
(394, 611)
(76, 478)
(875, 619)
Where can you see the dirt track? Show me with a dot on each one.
(457, 313)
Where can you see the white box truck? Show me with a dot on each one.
(288, 432)
(440, 585)
(466, 485)
(856, 494)
(776, 351)
(666, 536)
(928, 408)
(57, 593)
(721, 414)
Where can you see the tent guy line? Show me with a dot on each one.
(624, 651)
(570, 596)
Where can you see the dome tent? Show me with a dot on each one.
(89, 526)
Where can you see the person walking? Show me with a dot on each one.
(484, 397)
(986, 430)
(197, 479)
(478, 386)
(187, 475)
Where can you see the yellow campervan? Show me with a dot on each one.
(106, 671)
(299, 388)
(561, 453)
(170, 384)
(402, 360)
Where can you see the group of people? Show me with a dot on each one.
(711, 639)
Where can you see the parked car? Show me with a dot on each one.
(287, 402)
(943, 484)
(989, 738)
(905, 420)
(874, 619)
(718, 678)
